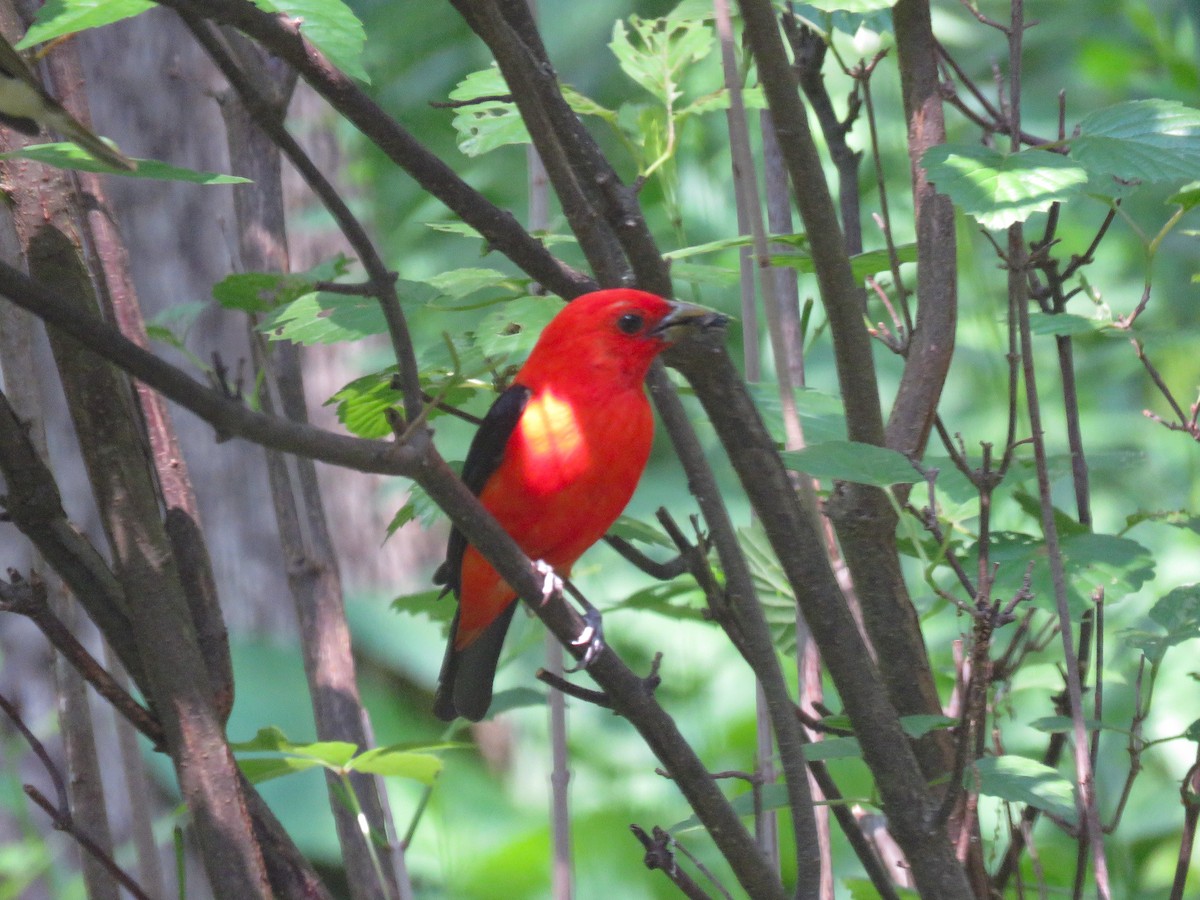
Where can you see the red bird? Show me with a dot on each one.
(555, 460)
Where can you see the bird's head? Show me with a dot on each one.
(621, 328)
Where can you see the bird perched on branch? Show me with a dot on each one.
(26, 107)
(555, 460)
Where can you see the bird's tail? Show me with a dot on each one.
(465, 684)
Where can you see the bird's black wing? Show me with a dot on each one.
(484, 457)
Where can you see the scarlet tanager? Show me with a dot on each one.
(555, 460)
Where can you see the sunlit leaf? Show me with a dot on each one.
(998, 189)
(1142, 140)
(56, 18)
(398, 763)
(1020, 780)
(332, 27)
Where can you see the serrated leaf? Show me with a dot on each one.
(1020, 780)
(999, 189)
(397, 763)
(852, 461)
(663, 49)
(1141, 140)
(68, 156)
(774, 591)
(484, 125)
(57, 18)
(331, 26)
(430, 604)
(362, 404)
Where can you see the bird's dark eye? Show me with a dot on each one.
(630, 323)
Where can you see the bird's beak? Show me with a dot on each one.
(685, 318)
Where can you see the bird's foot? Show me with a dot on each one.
(592, 635)
(552, 585)
(591, 638)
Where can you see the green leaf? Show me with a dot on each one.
(821, 415)
(396, 762)
(1193, 731)
(743, 240)
(430, 604)
(852, 461)
(260, 769)
(632, 529)
(1178, 518)
(460, 283)
(362, 403)
(1020, 780)
(1119, 565)
(774, 591)
(1054, 724)
(68, 156)
(864, 265)
(917, 726)
(1188, 196)
(272, 740)
(1178, 612)
(664, 47)
(484, 125)
(851, 6)
(998, 189)
(680, 600)
(509, 333)
(1142, 140)
(325, 319)
(832, 748)
(1065, 324)
(61, 17)
(331, 26)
